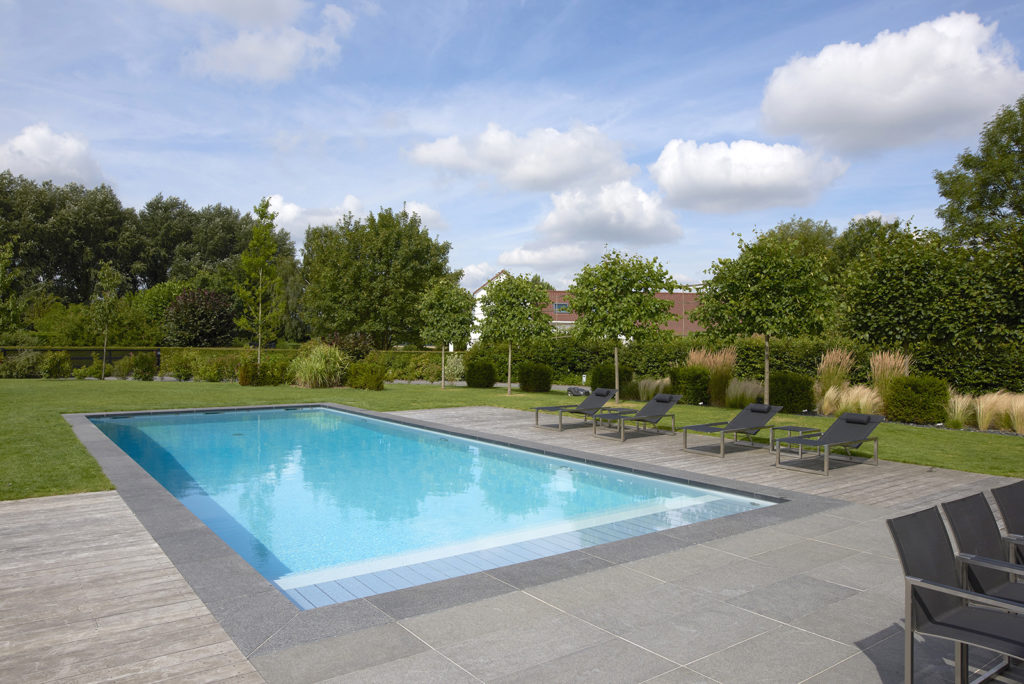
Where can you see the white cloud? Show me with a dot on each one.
(742, 175)
(618, 212)
(543, 159)
(41, 154)
(547, 257)
(243, 12)
(295, 219)
(945, 76)
(274, 53)
(430, 218)
(475, 275)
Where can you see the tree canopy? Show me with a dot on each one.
(259, 287)
(513, 309)
(447, 312)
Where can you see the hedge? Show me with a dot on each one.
(920, 399)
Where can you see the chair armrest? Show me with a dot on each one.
(973, 597)
(991, 564)
(802, 435)
(1015, 539)
(706, 425)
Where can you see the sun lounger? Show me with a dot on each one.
(650, 414)
(749, 421)
(849, 431)
(586, 408)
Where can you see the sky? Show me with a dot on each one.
(532, 136)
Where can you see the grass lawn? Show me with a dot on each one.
(40, 456)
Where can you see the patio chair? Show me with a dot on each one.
(1010, 502)
(650, 414)
(849, 431)
(752, 419)
(586, 408)
(976, 532)
(937, 606)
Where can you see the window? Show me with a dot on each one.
(561, 307)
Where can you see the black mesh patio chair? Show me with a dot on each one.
(752, 419)
(586, 408)
(649, 415)
(1010, 502)
(849, 431)
(976, 532)
(937, 606)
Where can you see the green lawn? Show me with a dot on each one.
(40, 456)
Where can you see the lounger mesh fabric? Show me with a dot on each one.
(976, 532)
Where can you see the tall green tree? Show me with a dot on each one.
(513, 310)
(779, 284)
(104, 304)
(259, 287)
(369, 275)
(10, 304)
(617, 300)
(447, 312)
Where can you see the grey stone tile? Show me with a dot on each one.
(860, 620)
(505, 652)
(577, 593)
(339, 655)
(792, 597)
(861, 571)
(252, 619)
(782, 655)
(749, 544)
(681, 675)
(453, 625)
(427, 598)
(621, 614)
(635, 548)
(735, 579)
(861, 513)
(815, 524)
(678, 565)
(222, 577)
(712, 626)
(804, 555)
(423, 668)
(609, 663)
(550, 569)
(337, 619)
(872, 536)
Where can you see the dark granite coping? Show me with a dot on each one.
(260, 619)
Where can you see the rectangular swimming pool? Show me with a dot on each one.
(332, 506)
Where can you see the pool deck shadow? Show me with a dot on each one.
(809, 590)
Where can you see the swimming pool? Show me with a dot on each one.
(332, 506)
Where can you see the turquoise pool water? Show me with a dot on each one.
(310, 495)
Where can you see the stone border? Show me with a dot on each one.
(261, 620)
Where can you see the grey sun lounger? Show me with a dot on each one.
(586, 408)
(1010, 502)
(937, 605)
(749, 421)
(976, 532)
(849, 431)
(650, 414)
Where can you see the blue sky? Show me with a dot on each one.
(528, 134)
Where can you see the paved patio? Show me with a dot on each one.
(808, 590)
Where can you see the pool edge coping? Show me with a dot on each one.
(261, 620)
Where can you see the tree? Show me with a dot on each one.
(199, 318)
(259, 288)
(165, 225)
(779, 284)
(103, 307)
(617, 300)
(10, 303)
(368, 276)
(513, 309)
(447, 312)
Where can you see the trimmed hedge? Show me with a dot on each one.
(603, 375)
(479, 373)
(692, 383)
(534, 377)
(793, 391)
(367, 375)
(920, 399)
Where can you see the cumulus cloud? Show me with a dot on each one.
(430, 218)
(475, 275)
(296, 219)
(940, 77)
(742, 175)
(273, 51)
(544, 159)
(618, 212)
(41, 154)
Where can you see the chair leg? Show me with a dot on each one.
(960, 663)
(721, 448)
(908, 635)
(828, 450)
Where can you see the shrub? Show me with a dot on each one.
(248, 371)
(959, 410)
(320, 365)
(534, 377)
(367, 375)
(990, 408)
(648, 387)
(214, 368)
(692, 382)
(144, 366)
(454, 368)
(480, 373)
(630, 391)
(793, 391)
(56, 364)
(603, 375)
(24, 363)
(920, 399)
(273, 370)
(200, 318)
(357, 345)
(122, 368)
(739, 392)
(885, 366)
(93, 370)
(179, 363)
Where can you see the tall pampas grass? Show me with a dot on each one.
(959, 410)
(1015, 411)
(719, 364)
(838, 400)
(990, 408)
(648, 387)
(885, 366)
(833, 372)
(742, 392)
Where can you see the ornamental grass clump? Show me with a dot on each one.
(719, 364)
(320, 365)
(833, 372)
(739, 393)
(959, 410)
(838, 400)
(1015, 411)
(648, 387)
(990, 408)
(886, 366)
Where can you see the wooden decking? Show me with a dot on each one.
(88, 596)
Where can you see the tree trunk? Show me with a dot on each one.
(442, 365)
(766, 398)
(618, 399)
(509, 392)
(259, 321)
(103, 366)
